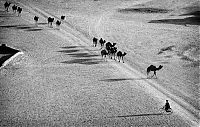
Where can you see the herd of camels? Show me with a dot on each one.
(109, 50)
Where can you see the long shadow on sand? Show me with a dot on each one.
(122, 79)
(22, 27)
(153, 114)
(143, 10)
(80, 57)
(193, 20)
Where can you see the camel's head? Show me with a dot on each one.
(124, 53)
(160, 67)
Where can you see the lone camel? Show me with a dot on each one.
(154, 69)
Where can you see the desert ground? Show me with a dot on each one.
(61, 79)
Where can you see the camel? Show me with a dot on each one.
(112, 51)
(19, 10)
(102, 42)
(50, 21)
(62, 18)
(109, 45)
(104, 53)
(6, 5)
(36, 19)
(58, 23)
(14, 8)
(154, 69)
(95, 42)
(121, 55)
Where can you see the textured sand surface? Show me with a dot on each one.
(61, 80)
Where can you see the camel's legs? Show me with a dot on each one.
(155, 74)
(123, 59)
(119, 58)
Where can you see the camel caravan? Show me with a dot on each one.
(110, 50)
(18, 9)
(15, 8)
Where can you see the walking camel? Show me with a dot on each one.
(95, 41)
(19, 10)
(104, 53)
(62, 17)
(121, 55)
(36, 19)
(7, 5)
(154, 69)
(102, 42)
(58, 24)
(14, 8)
(50, 21)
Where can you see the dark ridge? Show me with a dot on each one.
(7, 50)
(193, 20)
(143, 10)
(4, 58)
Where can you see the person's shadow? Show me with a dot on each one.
(148, 114)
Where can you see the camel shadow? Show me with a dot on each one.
(37, 29)
(68, 51)
(23, 27)
(80, 57)
(83, 61)
(122, 79)
(70, 47)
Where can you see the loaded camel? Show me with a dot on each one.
(154, 69)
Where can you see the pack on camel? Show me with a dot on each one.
(154, 69)
(7, 5)
(14, 8)
(50, 21)
(95, 41)
(104, 53)
(121, 55)
(36, 18)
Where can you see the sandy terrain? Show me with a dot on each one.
(62, 80)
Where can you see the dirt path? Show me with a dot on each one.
(45, 87)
